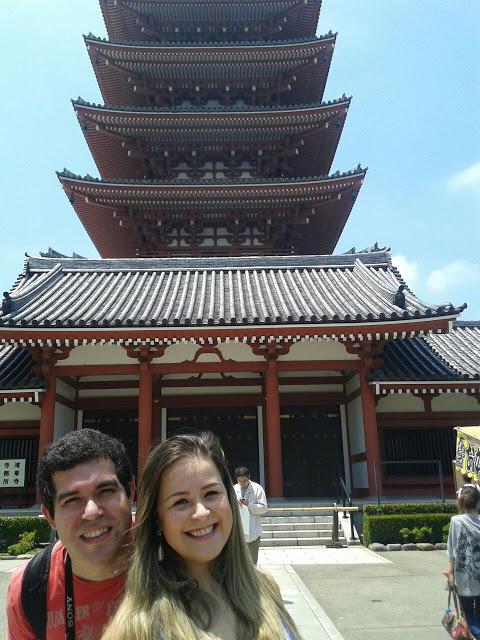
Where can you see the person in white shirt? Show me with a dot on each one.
(252, 502)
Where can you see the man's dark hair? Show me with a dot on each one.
(242, 471)
(77, 447)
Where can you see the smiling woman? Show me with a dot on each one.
(191, 576)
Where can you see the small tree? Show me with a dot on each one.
(26, 543)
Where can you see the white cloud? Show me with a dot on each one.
(466, 179)
(458, 274)
(408, 269)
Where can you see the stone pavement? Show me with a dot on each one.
(310, 618)
(401, 599)
(347, 594)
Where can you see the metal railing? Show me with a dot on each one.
(345, 498)
(437, 462)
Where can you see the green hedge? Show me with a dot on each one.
(409, 507)
(386, 528)
(12, 527)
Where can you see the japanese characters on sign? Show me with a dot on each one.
(12, 473)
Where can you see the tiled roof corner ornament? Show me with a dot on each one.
(399, 299)
(52, 253)
(373, 248)
(7, 303)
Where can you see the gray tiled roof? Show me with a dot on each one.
(55, 292)
(438, 357)
(16, 369)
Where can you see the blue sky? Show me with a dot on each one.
(412, 68)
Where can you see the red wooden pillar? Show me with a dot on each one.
(47, 418)
(156, 409)
(144, 413)
(372, 447)
(274, 444)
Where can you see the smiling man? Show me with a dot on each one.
(86, 486)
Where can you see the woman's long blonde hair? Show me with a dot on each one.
(160, 597)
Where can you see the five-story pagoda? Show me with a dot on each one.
(214, 139)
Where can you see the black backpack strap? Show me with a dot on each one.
(34, 591)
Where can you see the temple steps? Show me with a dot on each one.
(293, 531)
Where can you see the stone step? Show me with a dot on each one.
(296, 526)
(308, 533)
(298, 542)
(287, 519)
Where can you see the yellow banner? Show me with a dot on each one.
(467, 458)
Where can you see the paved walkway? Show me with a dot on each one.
(347, 594)
(311, 620)
(317, 555)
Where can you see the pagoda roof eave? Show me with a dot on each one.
(268, 183)
(119, 68)
(123, 18)
(115, 212)
(194, 111)
(234, 45)
(110, 132)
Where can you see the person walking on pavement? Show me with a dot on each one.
(86, 486)
(463, 551)
(252, 502)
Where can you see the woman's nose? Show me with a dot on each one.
(201, 510)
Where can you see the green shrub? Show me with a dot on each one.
(424, 534)
(409, 507)
(12, 527)
(25, 544)
(406, 534)
(445, 530)
(387, 528)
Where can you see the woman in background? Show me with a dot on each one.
(463, 550)
(191, 576)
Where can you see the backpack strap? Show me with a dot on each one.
(34, 591)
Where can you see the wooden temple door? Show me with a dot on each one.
(237, 428)
(312, 451)
(121, 424)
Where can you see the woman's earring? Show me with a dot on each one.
(160, 553)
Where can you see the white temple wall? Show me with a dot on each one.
(318, 350)
(455, 402)
(65, 390)
(310, 388)
(346, 459)
(208, 391)
(400, 402)
(64, 420)
(352, 384)
(19, 411)
(178, 352)
(107, 393)
(97, 354)
(357, 435)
